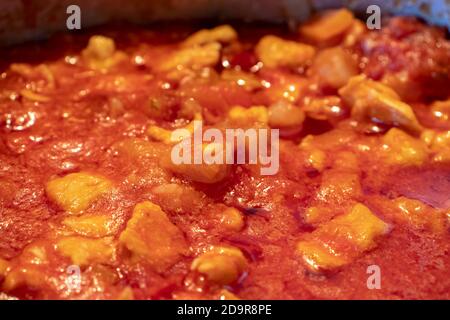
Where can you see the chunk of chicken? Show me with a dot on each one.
(152, 238)
(194, 58)
(232, 219)
(419, 215)
(84, 251)
(439, 144)
(399, 148)
(250, 115)
(100, 48)
(27, 268)
(168, 137)
(179, 198)
(94, 226)
(101, 53)
(339, 186)
(222, 34)
(326, 108)
(334, 67)
(76, 191)
(246, 80)
(276, 52)
(327, 27)
(377, 102)
(285, 115)
(222, 265)
(441, 110)
(224, 294)
(316, 158)
(202, 172)
(342, 239)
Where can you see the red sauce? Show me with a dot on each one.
(88, 114)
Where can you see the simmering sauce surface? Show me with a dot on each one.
(91, 207)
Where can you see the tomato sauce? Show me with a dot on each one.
(60, 116)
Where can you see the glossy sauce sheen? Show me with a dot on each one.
(96, 121)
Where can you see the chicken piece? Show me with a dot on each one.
(326, 108)
(317, 215)
(250, 115)
(152, 238)
(204, 172)
(224, 294)
(221, 265)
(400, 148)
(419, 215)
(76, 191)
(223, 34)
(93, 226)
(441, 110)
(316, 158)
(232, 219)
(174, 197)
(138, 150)
(285, 87)
(84, 251)
(342, 239)
(194, 58)
(27, 268)
(101, 53)
(439, 144)
(334, 67)
(285, 115)
(354, 33)
(246, 80)
(338, 186)
(328, 27)
(168, 136)
(276, 52)
(374, 101)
